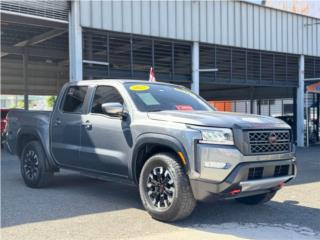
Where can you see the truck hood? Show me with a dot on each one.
(218, 119)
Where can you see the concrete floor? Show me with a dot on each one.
(77, 207)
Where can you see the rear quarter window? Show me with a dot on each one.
(74, 99)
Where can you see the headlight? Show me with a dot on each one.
(217, 136)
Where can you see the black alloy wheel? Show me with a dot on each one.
(165, 189)
(35, 168)
(31, 164)
(160, 187)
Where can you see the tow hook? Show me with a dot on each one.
(235, 191)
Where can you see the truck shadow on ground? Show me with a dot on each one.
(71, 195)
(274, 213)
(308, 164)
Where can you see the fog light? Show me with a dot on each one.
(219, 165)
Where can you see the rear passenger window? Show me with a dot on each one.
(74, 99)
(105, 94)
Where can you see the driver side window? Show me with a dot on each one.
(105, 94)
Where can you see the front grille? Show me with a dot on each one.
(281, 170)
(269, 141)
(255, 173)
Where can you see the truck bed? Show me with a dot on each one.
(32, 121)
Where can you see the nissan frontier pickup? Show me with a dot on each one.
(161, 137)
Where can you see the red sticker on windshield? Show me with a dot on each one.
(184, 107)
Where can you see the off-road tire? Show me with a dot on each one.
(183, 201)
(36, 172)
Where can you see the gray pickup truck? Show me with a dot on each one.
(161, 137)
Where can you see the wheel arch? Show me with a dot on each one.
(25, 136)
(150, 144)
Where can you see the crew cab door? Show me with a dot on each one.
(105, 140)
(66, 125)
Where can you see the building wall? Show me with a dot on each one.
(231, 23)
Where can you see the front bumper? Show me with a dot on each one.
(239, 184)
(269, 183)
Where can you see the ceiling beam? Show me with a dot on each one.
(41, 38)
(35, 52)
(37, 39)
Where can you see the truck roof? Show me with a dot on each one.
(115, 81)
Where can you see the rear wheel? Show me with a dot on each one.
(257, 199)
(165, 189)
(34, 167)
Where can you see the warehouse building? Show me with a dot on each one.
(253, 58)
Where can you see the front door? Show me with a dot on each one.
(105, 140)
(66, 125)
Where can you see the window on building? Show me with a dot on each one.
(309, 67)
(253, 66)
(120, 55)
(74, 99)
(163, 59)
(312, 67)
(280, 65)
(182, 62)
(238, 65)
(207, 61)
(266, 68)
(223, 63)
(114, 55)
(292, 68)
(105, 94)
(317, 67)
(142, 57)
(95, 55)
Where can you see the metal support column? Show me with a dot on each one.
(195, 68)
(75, 43)
(251, 100)
(259, 106)
(294, 130)
(307, 119)
(318, 116)
(25, 58)
(300, 104)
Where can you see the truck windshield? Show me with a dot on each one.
(152, 97)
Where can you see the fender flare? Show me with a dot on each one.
(160, 139)
(36, 133)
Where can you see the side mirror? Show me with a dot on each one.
(114, 109)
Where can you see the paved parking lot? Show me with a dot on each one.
(77, 207)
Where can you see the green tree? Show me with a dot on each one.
(50, 101)
(20, 104)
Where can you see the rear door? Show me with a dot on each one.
(105, 140)
(66, 125)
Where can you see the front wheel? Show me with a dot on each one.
(257, 199)
(34, 166)
(165, 190)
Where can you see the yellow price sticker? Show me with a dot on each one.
(139, 87)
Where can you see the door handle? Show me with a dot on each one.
(87, 124)
(57, 122)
